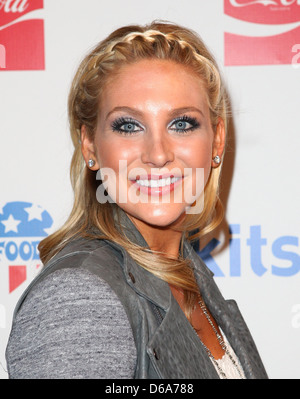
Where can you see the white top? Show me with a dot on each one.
(232, 370)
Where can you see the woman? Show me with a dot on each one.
(123, 294)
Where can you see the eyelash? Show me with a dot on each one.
(192, 121)
(118, 123)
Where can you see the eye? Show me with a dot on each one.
(181, 125)
(184, 124)
(126, 126)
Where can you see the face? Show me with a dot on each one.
(154, 142)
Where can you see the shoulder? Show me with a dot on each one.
(71, 323)
(73, 292)
(75, 284)
(77, 251)
(94, 255)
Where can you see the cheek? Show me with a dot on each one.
(198, 157)
(111, 152)
(198, 154)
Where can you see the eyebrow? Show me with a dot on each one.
(186, 109)
(138, 113)
(125, 109)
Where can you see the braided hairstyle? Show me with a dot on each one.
(129, 44)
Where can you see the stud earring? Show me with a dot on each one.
(217, 159)
(91, 163)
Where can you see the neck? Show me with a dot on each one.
(162, 239)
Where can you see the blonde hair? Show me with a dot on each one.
(127, 45)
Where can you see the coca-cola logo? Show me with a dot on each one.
(264, 11)
(262, 32)
(11, 10)
(287, 3)
(21, 35)
(13, 5)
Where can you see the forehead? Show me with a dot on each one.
(154, 81)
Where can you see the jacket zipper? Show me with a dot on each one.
(157, 313)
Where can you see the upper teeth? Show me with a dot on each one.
(159, 182)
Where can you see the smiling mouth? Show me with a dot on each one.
(154, 185)
(161, 182)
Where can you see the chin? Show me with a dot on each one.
(160, 216)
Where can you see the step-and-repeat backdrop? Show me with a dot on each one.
(255, 254)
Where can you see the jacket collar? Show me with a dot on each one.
(156, 290)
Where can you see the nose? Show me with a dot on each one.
(157, 150)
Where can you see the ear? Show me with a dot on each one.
(219, 141)
(88, 149)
